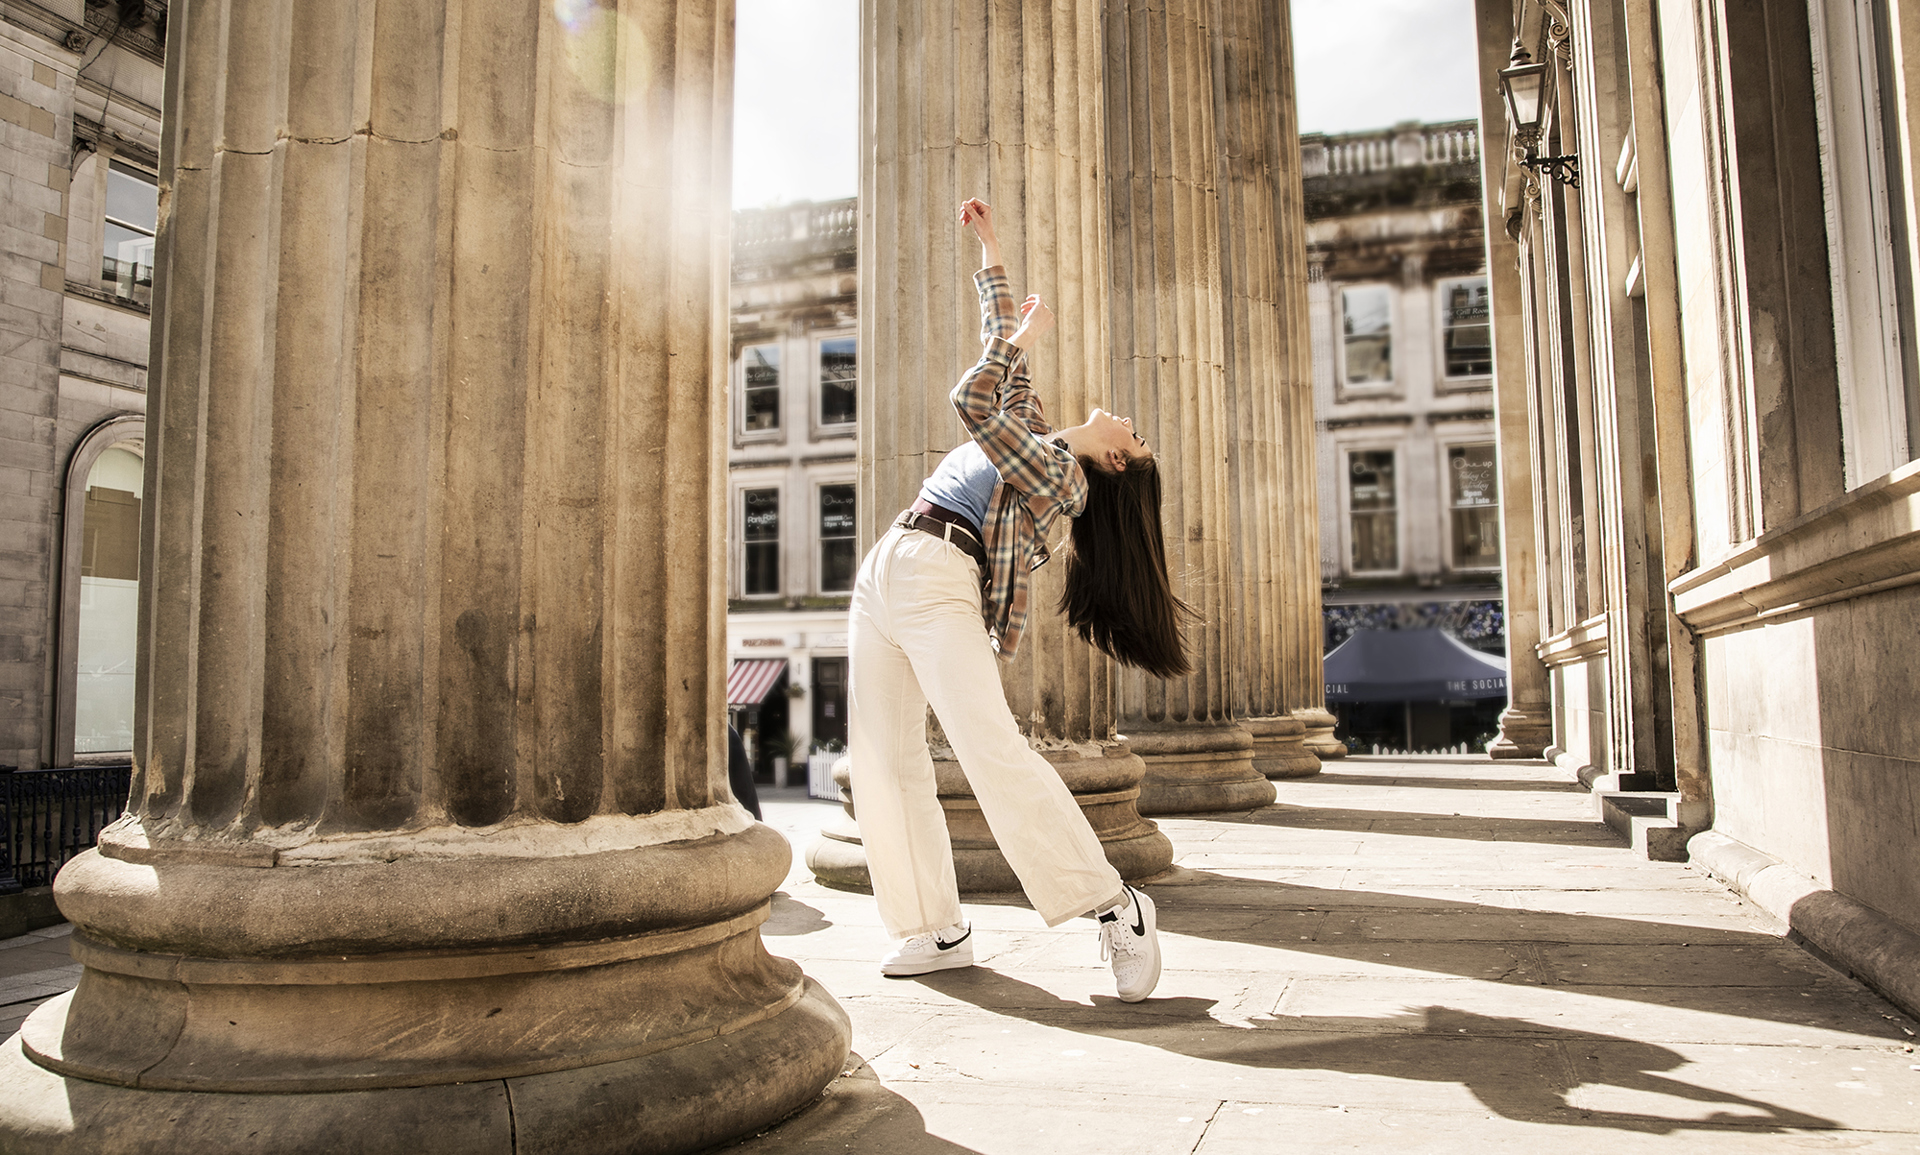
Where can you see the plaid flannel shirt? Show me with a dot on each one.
(1039, 481)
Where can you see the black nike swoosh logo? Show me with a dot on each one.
(1139, 920)
(956, 942)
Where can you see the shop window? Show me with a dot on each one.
(109, 605)
(838, 362)
(760, 366)
(1374, 515)
(1368, 321)
(1466, 338)
(830, 702)
(761, 542)
(1474, 492)
(836, 538)
(132, 217)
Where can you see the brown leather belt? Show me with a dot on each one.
(946, 525)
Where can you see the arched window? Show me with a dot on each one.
(99, 592)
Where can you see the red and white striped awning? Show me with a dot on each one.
(750, 679)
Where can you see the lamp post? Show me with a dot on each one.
(1521, 85)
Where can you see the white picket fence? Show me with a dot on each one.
(1391, 752)
(820, 775)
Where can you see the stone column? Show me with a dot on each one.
(1267, 365)
(1526, 725)
(1168, 355)
(970, 98)
(429, 846)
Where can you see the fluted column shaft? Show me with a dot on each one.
(966, 98)
(1169, 354)
(1263, 275)
(1526, 725)
(429, 739)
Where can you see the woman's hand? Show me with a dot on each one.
(1035, 320)
(977, 215)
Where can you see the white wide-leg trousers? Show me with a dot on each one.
(917, 639)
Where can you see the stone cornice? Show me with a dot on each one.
(1864, 543)
(1579, 643)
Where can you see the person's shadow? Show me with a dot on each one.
(1436, 1044)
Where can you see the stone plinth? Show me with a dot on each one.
(1279, 747)
(1105, 784)
(1525, 732)
(429, 846)
(1196, 769)
(1319, 738)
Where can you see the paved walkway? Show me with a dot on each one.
(1407, 956)
(1401, 955)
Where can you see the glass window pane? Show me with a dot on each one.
(838, 362)
(1374, 525)
(1468, 338)
(127, 260)
(836, 538)
(762, 364)
(109, 605)
(1368, 321)
(1474, 492)
(761, 521)
(132, 200)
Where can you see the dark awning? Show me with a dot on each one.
(1411, 666)
(750, 679)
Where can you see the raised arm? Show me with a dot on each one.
(1005, 419)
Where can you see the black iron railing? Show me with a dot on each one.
(48, 816)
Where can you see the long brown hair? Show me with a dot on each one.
(1118, 596)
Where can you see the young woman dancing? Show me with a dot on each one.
(923, 633)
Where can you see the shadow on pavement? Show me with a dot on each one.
(793, 917)
(1498, 1060)
(855, 1113)
(1425, 824)
(1641, 960)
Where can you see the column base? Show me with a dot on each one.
(1320, 740)
(1199, 769)
(1279, 747)
(600, 987)
(1525, 732)
(678, 1100)
(1106, 788)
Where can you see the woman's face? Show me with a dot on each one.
(1114, 441)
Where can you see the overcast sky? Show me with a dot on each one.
(1359, 64)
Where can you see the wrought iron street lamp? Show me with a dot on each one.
(1521, 85)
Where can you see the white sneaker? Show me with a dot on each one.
(945, 949)
(1130, 937)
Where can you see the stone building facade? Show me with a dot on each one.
(1709, 412)
(791, 471)
(80, 95)
(1403, 405)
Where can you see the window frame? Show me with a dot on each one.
(818, 540)
(821, 427)
(742, 434)
(1444, 380)
(137, 293)
(1869, 273)
(1395, 450)
(1345, 387)
(741, 566)
(1448, 507)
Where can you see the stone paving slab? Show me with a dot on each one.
(1418, 955)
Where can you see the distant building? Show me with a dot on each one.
(80, 92)
(791, 476)
(1403, 406)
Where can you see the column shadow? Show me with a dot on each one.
(856, 1114)
(1432, 1044)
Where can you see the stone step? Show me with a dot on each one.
(1648, 820)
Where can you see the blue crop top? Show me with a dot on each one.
(963, 483)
